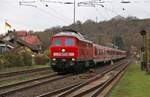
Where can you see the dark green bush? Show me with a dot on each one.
(47, 52)
(11, 59)
(22, 57)
(3, 62)
(15, 59)
(41, 59)
(27, 58)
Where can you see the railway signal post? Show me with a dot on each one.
(144, 52)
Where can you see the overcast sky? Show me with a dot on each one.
(41, 17)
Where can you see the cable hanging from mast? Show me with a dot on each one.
(33, 4)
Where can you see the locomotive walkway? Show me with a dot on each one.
(135, 83)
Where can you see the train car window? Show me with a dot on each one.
(57, 42)
(95, 51)
(69, 42)
(107, 52)
(98, 52)
(101, 52)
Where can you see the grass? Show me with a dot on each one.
(4, 70)
(135, 83)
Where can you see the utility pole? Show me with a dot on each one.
(144, 51)
(96, 19)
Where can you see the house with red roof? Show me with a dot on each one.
(16, 39)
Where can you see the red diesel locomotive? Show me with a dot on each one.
(70, 51)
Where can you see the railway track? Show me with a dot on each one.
(20, 86)
(21, 77)
(10, 74)
(92, 87)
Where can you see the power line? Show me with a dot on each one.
(93, 3)
(73, 3)
(54, 10)
(100, 13)
(30, 3)
(49, 14)
(27, 3)
(113, 9)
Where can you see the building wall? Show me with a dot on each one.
(3, 48)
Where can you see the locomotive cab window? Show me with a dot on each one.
(69, 42)
(57, 42)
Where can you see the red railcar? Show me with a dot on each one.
(71, 52)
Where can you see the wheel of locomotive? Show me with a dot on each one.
(63, 71)
(92, 64)
(87, 65)
(54, 68)
(79, 67)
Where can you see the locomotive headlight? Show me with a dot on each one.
(54, 59)
(73, 59)
(63, 50)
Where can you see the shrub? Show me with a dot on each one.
(11, 59)
(27, 58)
(15, 59)
(41, 59)
(47, 52)
(3, 62)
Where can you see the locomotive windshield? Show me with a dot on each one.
(57, 42)
(69, 42)
(65, 41)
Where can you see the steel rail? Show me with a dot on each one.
(87, 82)
(105, 92)
(24, 82)
(65, 91)
(27, 75)
(22, 72)
(23, 87)
(110, 81)
(48, 94)
(102, 86)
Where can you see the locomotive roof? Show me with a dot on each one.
(74, 34)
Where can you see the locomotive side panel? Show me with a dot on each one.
(85, 51)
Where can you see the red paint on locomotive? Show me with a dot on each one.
(61, 49)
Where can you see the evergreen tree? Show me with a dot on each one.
(117, 41)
